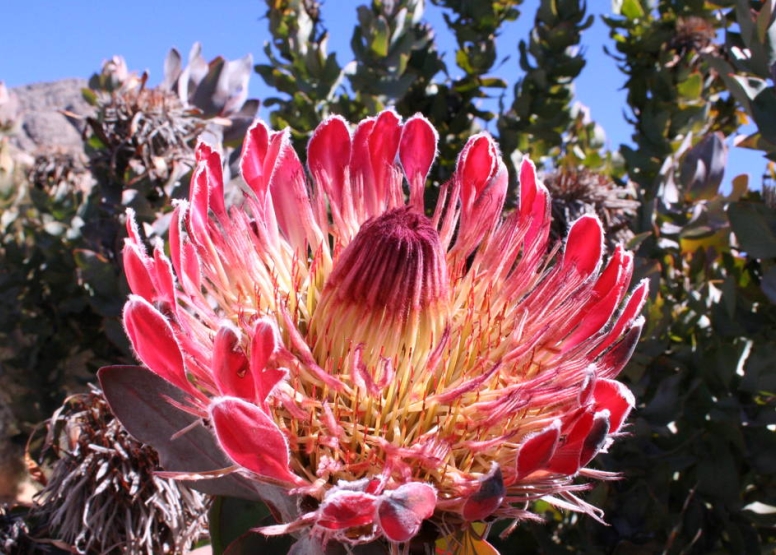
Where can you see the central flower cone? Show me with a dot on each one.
(392, 367)
(387, 295)
(383, 309)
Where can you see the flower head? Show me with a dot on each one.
(103, 495)
(575, 193)
(390, 362)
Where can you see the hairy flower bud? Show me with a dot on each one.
(387, 291)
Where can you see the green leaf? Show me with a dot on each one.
(231, 521)
(703, 167)
(756, 141)
(759, 375)
(717, 473)
(692, 87)
(745, 89)
(764, 113)
(100, 277)
(462, 60)
(755, 227)
(89, 96)
(740, 186)
(768, 284)
(632, 9)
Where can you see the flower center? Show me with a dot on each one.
(387, 294)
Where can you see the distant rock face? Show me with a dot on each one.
(42, 124)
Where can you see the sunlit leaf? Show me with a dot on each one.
(740, 186)
(716, 239)
(692, 87)
(469, 541)
(631, 9)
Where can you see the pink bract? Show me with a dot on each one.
(395, 362)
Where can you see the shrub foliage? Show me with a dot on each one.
(699, 459)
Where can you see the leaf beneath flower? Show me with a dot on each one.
(138, 398)
(231, 521)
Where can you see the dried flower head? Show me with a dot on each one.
(578, 192)
(145, 135)
(103, 495)
(58, 172)
(390, 365)
(14, 531)
(693, 34)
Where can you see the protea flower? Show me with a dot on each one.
(388, 363)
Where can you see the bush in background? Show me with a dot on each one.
(699, 463)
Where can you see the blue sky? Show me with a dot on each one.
(46, 40)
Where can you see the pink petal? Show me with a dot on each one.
(154, 341)
(615, 359)
(328, 156)
(417, 150)
(401, 512)
(133, 231)
(251, 439)
(165, 279)
(635, 304)
(343, 509)
(288, 528)
(212, 162)
(617, 273)
(596, 438)
(137, 264)
(383, 148)
(375, 146)
(263, 345)
(199, 199)
(289, 195)
(176, 237)
(476, 166)
(483, 184)
(586, 389)
(566, 459)
(260, 154)
(537, 450)
(609, 290)
(488, 498)
(584, 245)
(626, 318)
(615, 397)
(230, 365)
(253, 157)
(534, 208)
(184, 257)
(528, 188)
(136, 269)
